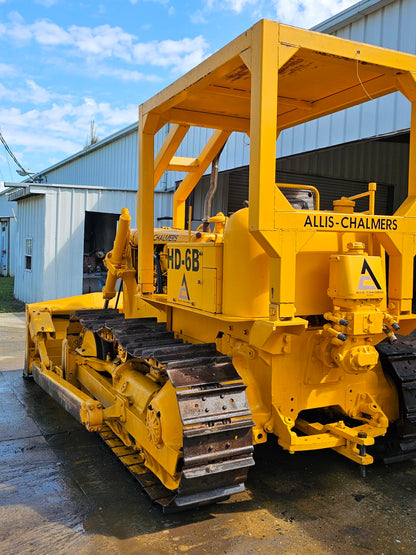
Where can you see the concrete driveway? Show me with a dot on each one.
(62, 491)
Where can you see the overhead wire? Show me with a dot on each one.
(359, 78)
(13, 157)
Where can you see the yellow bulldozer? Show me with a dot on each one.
(276, 320)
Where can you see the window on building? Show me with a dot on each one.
(28, 253)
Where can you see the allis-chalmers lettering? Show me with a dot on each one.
(165, 237)
(351, 222)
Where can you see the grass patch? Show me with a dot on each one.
(7, 301)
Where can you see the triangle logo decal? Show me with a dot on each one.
(184, 291)
(368, 281)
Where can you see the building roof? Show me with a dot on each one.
(104, 142)
(351, 14)
(19, 191)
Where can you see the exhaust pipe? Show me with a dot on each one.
(213, 183)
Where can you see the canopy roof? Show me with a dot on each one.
(318, 74)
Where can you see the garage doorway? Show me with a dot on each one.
(99, 233)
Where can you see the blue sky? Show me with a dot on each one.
(64, 63)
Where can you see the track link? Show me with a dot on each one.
(399, 361)
(216, 417)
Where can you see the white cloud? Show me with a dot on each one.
(127, 74)
(28, 91)
(6, 70)
(55, 123)
(49, 34)
(198, 17)
(105, 42)
(163, 2)
(302, 13)
(63, 126)
(306, 13)
(37, 94)
(46, 3)
(179, 55)
(238, 6)
(16, 29)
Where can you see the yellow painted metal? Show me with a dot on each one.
(208, 153)
(114, 258)
(79, 404)
(298, 298)
(281, 77)
(120, 266)
(168, 149)
(145, 206)
(325, 80)
(355, 276)
(263, 133)
(246, 297)
(183, 164)
(194, 275)
(372, 188)
(131, 420)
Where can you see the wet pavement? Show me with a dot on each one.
(62, 491)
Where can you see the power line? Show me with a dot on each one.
(12, 156)
(8, 165)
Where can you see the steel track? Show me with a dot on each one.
(398, 359)
(216, 417)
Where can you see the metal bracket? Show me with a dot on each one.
(116, 411)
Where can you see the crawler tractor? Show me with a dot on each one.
(280, 320)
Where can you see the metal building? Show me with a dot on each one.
(344, 151)
(57, 226)
(8, 230)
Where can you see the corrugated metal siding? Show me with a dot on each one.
(6, 210)
(348, 168)
(55, 221)
(12, 245)
(163, 209)
(28, 285)
(219, 202)
(69, 206)
(237, 190)
(330, 188)
(383, 161)
(391, 26)
(112, 166)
